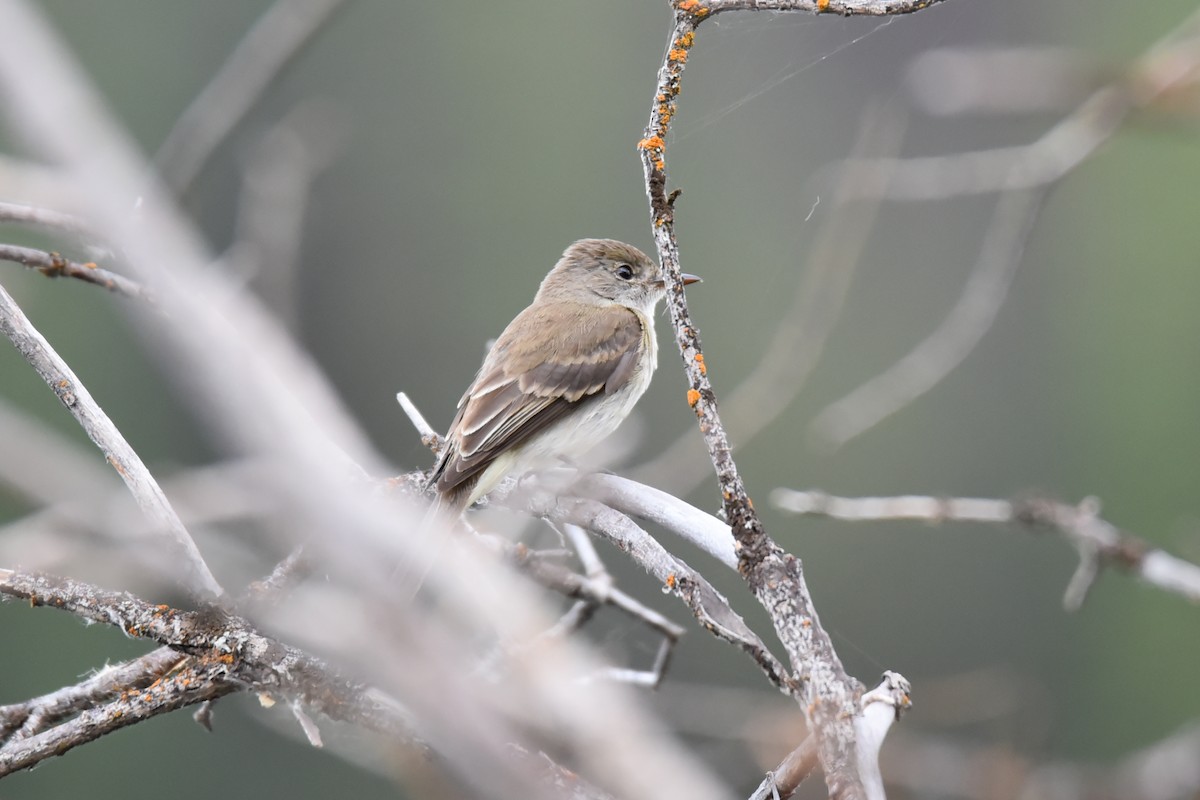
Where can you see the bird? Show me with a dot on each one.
(561, 377)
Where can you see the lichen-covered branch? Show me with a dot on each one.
(228, 654)
(775, 577)
(54, 265)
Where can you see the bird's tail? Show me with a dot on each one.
(439, 522)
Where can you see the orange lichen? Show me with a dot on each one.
(693, 7)
(693, 397)
(700, 362)
(651, 143)
(671, 581)
(806, 623)
(822, 5)
(687, 39)
(678, 55)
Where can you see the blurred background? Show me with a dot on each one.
(456, 150)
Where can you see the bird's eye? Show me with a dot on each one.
(624, 272)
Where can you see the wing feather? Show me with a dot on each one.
(526, 383)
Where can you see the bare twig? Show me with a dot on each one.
(429, 437)
(709, 607)
(275, 192)
(930, 767)
(592, 591)
(53, 265)
(1081, 525)
(972, 316)
(42, 218)
(1170, 63)
(262, 55)
(101, 430)
(287, 573)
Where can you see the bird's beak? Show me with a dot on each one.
(687, 280)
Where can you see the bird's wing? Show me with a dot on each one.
(523, 388)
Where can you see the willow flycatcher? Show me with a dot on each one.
(563, 374)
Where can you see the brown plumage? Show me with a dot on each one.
(561, 376)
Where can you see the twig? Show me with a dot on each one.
(196, 683)
(23, 720)
(53, 265)
(830, 695)
(42, 218)
(960, 332)
(592, 591)
(707, 605)
(931, 767)
(276, 39)
(647, 503)
(1081, 525)
(429, 437)
(101, 430)
(1171, 62)
(882, 706)
(286, 574)
(276, 188)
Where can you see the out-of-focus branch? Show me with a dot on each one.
(265, 398)
(1099, 542)
(801, 332)
(100, 429)
(42, 218)
(927, 767)
(275, 191)
(1169, 64)
(262, 55)
(53, 265)
(934, 358)
(830, 696)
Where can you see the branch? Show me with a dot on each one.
(42, 218)
(882, 706)
(1099, 542)
(278, 37)
(960, 332)
(230, 655)
(775, 577)
(53, 265)
(845, 8)
(708, 606)
(24, 720)
(1168, 64)
(101, 430)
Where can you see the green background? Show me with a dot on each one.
(477, 140)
